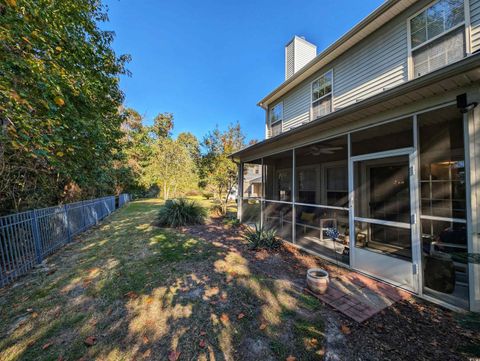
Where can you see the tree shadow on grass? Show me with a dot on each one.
(144, 293)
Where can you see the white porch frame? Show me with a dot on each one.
(472, 148)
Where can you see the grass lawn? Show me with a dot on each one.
(127, 290)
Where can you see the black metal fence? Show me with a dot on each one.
(27, 238)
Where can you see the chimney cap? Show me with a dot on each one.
(302, 39)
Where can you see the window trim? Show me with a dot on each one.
(277, 121)
(322, 97)
(467, 34)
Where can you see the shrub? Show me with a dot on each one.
(262, 238)
(208, 196)
(216, 210)
(231, 220)
(181, 212)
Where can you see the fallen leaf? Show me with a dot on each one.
(47, 345)
(224, 318)
(173, 355)
(241, 315)
(263, 326)
(345, 329)
(202, 343)
(149, 300)
(34, 314)
(90, 341)
(147, 353)
(145, 339)
(131, 294)
(59, 101)
(291, 358)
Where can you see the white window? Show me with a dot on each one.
(322, 96)
(275, 117)
(437, 36)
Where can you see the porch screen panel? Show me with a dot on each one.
(278, 217)
(251, 211)
(253, 179)
(278, 176)
(324, 231)
(321, 186)
(395, 135)
(321, 173)
(443, 205)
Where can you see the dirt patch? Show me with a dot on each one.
(411, 329)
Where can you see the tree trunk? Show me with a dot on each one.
(165, 191)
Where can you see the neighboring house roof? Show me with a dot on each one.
(456, 75)
(254, 180)
(379, 17)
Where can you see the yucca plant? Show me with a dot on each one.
(262, 238)
(181, 212)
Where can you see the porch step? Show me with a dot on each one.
(358, 296)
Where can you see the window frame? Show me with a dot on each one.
(270, 111)
(322, 97)
(465, 24)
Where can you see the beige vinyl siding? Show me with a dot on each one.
(379, 62)
(289, 60)
(296, 107)
(475, 24)
(371, 67)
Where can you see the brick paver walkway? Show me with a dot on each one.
(360, 297)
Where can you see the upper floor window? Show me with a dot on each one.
(322, 96)
(275, 118)
(437, 36)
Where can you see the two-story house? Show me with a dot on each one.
(372, 150)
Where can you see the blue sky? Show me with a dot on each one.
(209, 62)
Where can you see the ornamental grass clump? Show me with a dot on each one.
(181, 212)
(262, 238)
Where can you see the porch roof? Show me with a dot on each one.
(457, 75)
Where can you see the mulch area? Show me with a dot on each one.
(408, 329)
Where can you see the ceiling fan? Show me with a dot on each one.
(316, 150)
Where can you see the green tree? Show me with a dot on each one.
(219, 172)
(192, 144)
(171, 168)
(59, 101)
(162, 125)
(135, 150)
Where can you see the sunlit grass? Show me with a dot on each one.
(143, 291)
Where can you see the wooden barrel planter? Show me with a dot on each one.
(317, 280)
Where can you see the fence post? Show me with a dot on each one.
(36, 238)
(95, 213)
(84, 218)
(67, 222)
